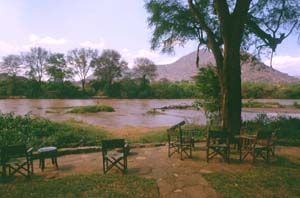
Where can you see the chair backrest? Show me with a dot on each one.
(175, 130)
(178, 125)
(113, 144)
(217, 137)
(13, 151)
(264, 137)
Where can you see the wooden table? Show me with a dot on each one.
(244, 144)
(47, 152)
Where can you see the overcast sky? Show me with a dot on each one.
(60, 25)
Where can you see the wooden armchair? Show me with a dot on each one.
(18, 159)
(113, 157)
(217, 144)
(262, 145)
(180, 141)
(174, 138)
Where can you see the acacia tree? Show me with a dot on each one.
(225, 28)
(145, 69)
(81, 60)
(57, 68)
(108, 67)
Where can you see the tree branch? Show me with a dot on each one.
(223, 15)
(212, 44)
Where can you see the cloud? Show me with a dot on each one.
(47, 40)
(51, 41)
(33, 38)
(168, 60)
(94, 45)
(7, 48)
(126, 53)
(286, 64)
(147, 54)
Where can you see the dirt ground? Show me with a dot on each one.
(174, 177)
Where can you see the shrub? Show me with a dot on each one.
(38, 132)
(286, 128)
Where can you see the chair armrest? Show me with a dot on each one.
(126, 148)
(29, 151)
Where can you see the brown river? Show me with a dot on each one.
(127, 112)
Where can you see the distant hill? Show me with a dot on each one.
(252, 69)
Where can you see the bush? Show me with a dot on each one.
(286, 128)
(38, 132)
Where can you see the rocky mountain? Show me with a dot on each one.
(252, 69)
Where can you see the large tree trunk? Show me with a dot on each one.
(231, 87)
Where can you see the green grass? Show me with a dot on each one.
(91, 109)
(95, 185)
(156, 136)
(280, 179)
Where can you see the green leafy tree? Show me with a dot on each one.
(57, 68)
(80, 60)
(109, 67)
(224, 27)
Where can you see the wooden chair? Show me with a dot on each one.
(113, 157)
(187, 142)
(262, 145)
(18, 159)
(180, 141)
(217, 144)
(174, 138)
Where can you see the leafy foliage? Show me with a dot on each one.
(286, 128)
(38, 132)
(57, 68)
(210, 94)
(109, 67)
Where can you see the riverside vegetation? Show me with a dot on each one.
(131, 88)
(38, 132)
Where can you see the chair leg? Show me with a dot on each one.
(207, 153)
(103, 165)
(28, 169)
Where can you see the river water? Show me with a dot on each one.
(127, 112)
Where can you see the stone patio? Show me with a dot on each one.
(175, 177)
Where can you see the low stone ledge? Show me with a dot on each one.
(93, 149)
